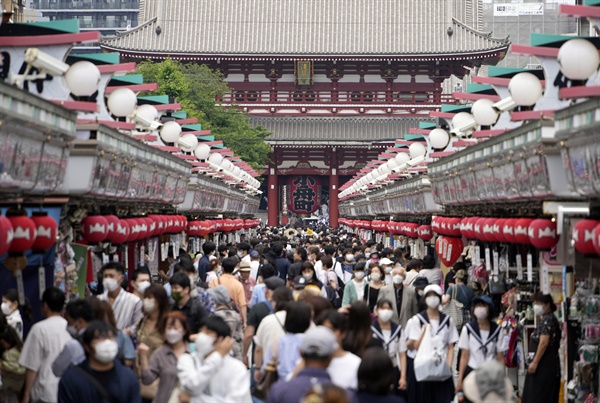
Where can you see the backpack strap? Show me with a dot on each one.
(97, 385)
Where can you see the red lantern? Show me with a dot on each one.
(522, 231)
(508, 230)
(193, 228)
(583, 235)
(435, 224)
(596, 239)
(498, 230)
(121, 233)
(411, 230)
(453, 226)
(478, 226)
(487, 230)
(443, 225)
(466, 227)
(46, 230)
(6, 234)
(542, 233)
(449, 249)
(425, 232)
(94, 228)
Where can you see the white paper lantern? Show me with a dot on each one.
(439, 138)
(578, 59)
(170, 131)
(417, 149)
(216, 158)
(83, 78)
(188, 142)
(525, 89)
(402, 158)
(483, 112)
(122, 102)
(202, 152)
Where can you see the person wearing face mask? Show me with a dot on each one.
(355, 289)
(373, 286)
(199, 290)
(442, 328)
(161, 364)
(78, 314)
(243, 250)
(387, 267)
(208, 250)
(151, 331)
(308, 273)
(211, 374)
(11, 308)
(345, 270)
(542, 382)
(140, 280)
(247, 281)
(391, 336)
(231, 317)
(127, 308)
(101, 375)
(44, 342)
(235, 288)
(481, 340)
(191, 307)
(404, 303)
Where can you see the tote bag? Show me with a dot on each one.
(454, 309)
(430, 361)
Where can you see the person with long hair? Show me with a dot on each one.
(103, 312)
(359, 336)
(297, 321)
(162, 364)
(150, 330)
(375, 284)
(13, 374)
(376, 378)
(14, 311)
(542, 383)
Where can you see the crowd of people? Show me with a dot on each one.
(324, 318)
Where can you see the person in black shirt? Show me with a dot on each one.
(191, 307)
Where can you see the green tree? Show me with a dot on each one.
(196, 87)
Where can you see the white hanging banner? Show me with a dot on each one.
(42, 280)
(477, 256)
(20, 287)
(488, 260)
(496, 263)
(529, 267)
(544, 280)
(448, 252)
(105, 258)
(519, 268)
(142, 254)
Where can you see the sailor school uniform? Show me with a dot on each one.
(483, 345)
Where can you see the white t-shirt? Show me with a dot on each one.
(247, 259)
(343, 371)
(254, 265)
(414, 321)
(321, 274)
(44, 343)
(434, 276)
(360, 290)
(448, 333)
(268, 333)
(468, 341)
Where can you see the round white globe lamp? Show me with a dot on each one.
(439, 138)
(483, 112)
(202, 152)
(83, 78)
(170, 131)
(402, 158)
(525, 89)
(417, 149)
(122, 102)
(578, 59)
(215, 158)
(188, 142)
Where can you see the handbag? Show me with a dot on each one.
(454, 309)
(149, 391)
(430, 361)
(261, 389)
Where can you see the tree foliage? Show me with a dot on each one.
(196, 87)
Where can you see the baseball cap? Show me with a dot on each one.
(435, 288)
(385, 261)
(299, 282)
(274, 282)
(318, 342)
(420, 282)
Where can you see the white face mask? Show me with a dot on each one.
(375, 276)
(173, 336)
(385, 314)
(149, 305)
(433, 301)
(388, 269)
(6, 310)
(349, 257)
(106, 351)
(420, 292)
(359, 275)
(204, 344)
(538, 310)
(397, 279)
(110, 284)
(308, 276)
(142, 286)
(240, 254)
(480, 312)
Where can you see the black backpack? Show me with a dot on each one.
(333, 296)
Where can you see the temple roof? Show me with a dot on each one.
(303, 28)
(355, 129)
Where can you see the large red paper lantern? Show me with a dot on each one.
(112, 220)
(425, 232)
(6, 234)
(449, 249)
(453, 226)
(478, 227)
(596, 239)
(94, 228)
(411, 230)
(508, 230)
(466, 227)
(46, 230)
(303, 194)
(583, 235)
(121, 233)
(443, 225)
(522, 231)
(193, 228)
(23, 234)
(435, 224)
(487, 230)
(542, 233)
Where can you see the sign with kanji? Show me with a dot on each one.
(304, 194)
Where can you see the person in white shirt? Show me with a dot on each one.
(481, 339)
(243, 250)
(127, 308)
(43, 344)
(254, 265)
(387, 266)
(442, 328)
(10, 309)
(343, 367)
(211, 374)
(434, 275)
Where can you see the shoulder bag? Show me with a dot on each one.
(269, 376)
(454, 309)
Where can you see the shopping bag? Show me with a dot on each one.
(454, 308)
(430, 361)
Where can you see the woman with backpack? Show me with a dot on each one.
(481, 340)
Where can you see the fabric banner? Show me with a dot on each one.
(304, 194)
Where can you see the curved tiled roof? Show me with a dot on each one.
(305, 28)
(367, 129)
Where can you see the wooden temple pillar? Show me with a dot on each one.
(334, 181)
(272, 197)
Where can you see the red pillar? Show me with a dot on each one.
(333, 197)
(273, 198)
